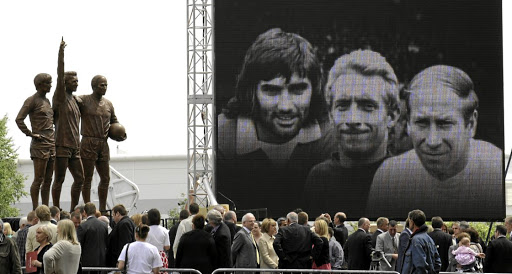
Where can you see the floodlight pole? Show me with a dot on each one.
(200, 112)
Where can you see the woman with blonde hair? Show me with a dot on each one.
(268, 256)
(323, 261)
(8, 230)
(64, 256)
(137, 219)
(43, 237)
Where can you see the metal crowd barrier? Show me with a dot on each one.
(87, 270)
(304, 271)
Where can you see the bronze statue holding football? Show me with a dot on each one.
(98, 123)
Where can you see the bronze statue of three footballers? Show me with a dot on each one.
(62, 149)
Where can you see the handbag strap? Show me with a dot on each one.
(126, 258)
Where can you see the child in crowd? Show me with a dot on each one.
(466, 256)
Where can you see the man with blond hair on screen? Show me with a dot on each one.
(362, 96)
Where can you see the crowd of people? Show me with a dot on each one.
(140, 244)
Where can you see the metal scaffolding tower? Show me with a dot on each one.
(200, 102)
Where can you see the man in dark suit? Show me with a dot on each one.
(208, 227)
(293, 244)
(442, 240)
(55, 213)
(382, 226)
(122, 234)
(172, 236)
(230, 221)
(196, 248)
(222, 237)
(403, 241)
(340, 231)
(358, 247)
(93, 236)
(499, 253)
(244, 250)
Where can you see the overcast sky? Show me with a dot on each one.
(140, 46)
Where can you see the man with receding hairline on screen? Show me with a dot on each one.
(448, 172)
(267, 133)
(362, 95)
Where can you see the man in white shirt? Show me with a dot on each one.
(158, 235)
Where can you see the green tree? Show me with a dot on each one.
(174, 213)
(11, 180)
(481, 227)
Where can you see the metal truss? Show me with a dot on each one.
(200, 119)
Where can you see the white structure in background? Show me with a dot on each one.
(120, 191)
(138, 182)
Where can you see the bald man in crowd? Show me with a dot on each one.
(296, 244)
(244, 250)
(340, 230)
(359, 247)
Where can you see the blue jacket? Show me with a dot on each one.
(421, 255)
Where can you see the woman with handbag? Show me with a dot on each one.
(323, 261)
(139, 256)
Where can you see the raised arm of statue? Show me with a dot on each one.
(60, 91)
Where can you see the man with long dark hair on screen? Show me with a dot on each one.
(268, 131)
(362, 96)
(448, 172)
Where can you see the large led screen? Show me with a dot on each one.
(372, 108)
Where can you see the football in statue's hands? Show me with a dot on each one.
(117, 132)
